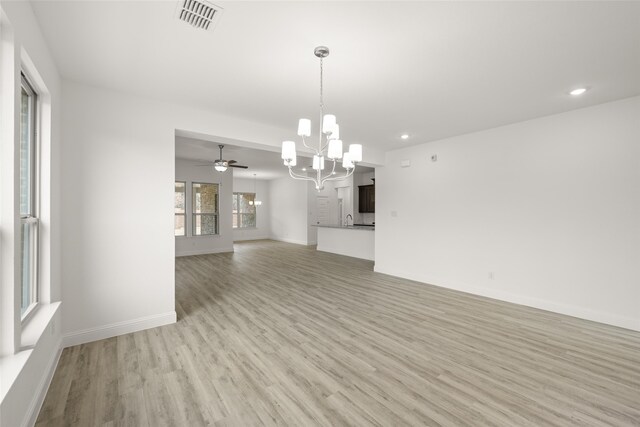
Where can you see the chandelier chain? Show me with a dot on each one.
(321, 86)
(319, 151)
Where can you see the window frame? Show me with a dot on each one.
(185, 210)
(237, 215)
(194, 214)
(31, 218)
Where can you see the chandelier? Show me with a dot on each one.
(255, 194)
(328, 139)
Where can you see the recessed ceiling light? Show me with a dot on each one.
(578, 91)
(304, 169)
(404, 136)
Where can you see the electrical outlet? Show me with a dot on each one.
(491, 275)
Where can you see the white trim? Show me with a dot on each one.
(340, 251)
(43, 387)
(119, 328)
(35, 328)
(555, 307)
(204, 251)
(294, 241)
(244, 239)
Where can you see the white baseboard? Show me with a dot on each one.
(41, 391)
(204, 251)
(248, 238)
(555, 307)
(287, 240)
(341, 251)
(119, 328)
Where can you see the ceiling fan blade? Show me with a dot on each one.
(238, 166)
(232, 161)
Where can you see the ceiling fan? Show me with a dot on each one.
(221, 165)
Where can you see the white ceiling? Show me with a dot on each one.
(265, 164)
(431, 69)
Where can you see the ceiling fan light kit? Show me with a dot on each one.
(332, 144)
(221, 165)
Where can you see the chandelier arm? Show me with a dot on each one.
(339, 177)
(321, 178)
(296, 176)
(305, 144)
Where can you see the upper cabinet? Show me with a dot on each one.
(367, 198)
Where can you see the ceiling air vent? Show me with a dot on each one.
(199, 13)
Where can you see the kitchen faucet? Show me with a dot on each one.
(346, 221)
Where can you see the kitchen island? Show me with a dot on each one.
(355, 241)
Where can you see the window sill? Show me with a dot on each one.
(32, 331)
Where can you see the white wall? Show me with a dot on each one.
(186, 171)
(550, 206)
(118, 179)
(118, 176)
(263, 221)
(25, 374)
(288, 210)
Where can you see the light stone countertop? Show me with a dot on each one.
(350, 227)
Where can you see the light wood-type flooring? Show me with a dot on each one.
(280, 334)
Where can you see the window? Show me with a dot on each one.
(244, 210)
(180, 198)
(204, 202)
(28, 200)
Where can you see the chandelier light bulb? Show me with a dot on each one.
(335, 149)
(328, 123)
(355, 152)
(346, 161)
(304, 127)
(318, 162)
(291, 162)
(288, 150)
